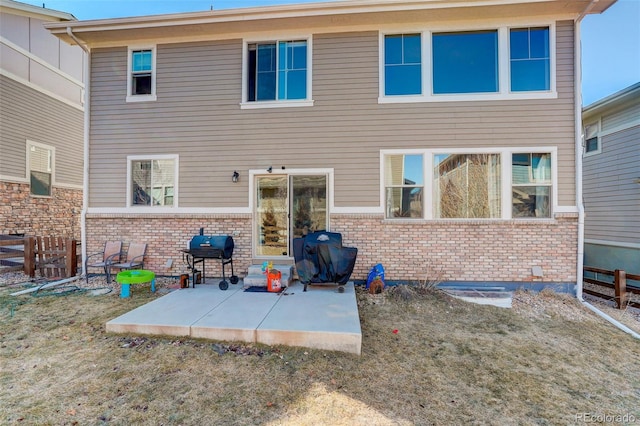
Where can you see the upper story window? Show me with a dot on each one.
(40, 161)
(592, 139)
(277, 73)
(153, 181)
(489, 64)
(141, 75)
(403, 64)
(530, 59)
(465, 62)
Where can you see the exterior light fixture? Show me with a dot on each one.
(235, 176)
(270, 169)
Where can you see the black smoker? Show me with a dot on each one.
(203, 247)
(320, 258)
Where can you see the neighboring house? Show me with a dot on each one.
(431, 134)
(611, 171)
(41, 124)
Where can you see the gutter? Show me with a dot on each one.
(85, 172)
(577, 91)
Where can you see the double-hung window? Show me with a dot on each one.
(141, 74)
(530, 59)
(494, 183)
(403, 64)
(487, 64)
(40, 160)
(278, 72)
(404, 185)
(153, 181)
(592, 139)
(531, 184)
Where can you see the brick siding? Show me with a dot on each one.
(461, 250)
(167, 235)
(21, 213)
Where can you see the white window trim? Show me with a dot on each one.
(141, 98)
(505, 170)
(504, 68)
(245, 104)
(153, 209)
(52, 149)
(598, 124)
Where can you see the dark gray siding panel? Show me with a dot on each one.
(611, 193)
(197, 116)
(26, 114)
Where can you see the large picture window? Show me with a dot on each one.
(40, 161)
(467, 186)
(403, 64)
(465, 62)
(404, 186)
(495, 183)
(277, 71)
(153, 182)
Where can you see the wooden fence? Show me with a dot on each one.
(11, 249)
(619, 286)
(55, 257)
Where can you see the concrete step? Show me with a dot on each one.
(257, 278)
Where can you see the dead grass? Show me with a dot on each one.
(427, 359)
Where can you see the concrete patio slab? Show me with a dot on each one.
(237, 319)
(300, 320)
(172, 314)
(321, 318)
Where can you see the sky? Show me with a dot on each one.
(610, 41)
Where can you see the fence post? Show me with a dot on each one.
(29, 256)
(620, 282)
(71, 262)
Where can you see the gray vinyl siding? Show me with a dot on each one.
(26, 114)
(197, 116)
(626, 114)
(611, 195)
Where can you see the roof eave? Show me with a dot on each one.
(41, 12)
(325, 10)
(625, 95)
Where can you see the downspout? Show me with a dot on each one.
(85, 172)
(577, 90)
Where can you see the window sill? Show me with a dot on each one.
(467, 97)
(141, 98)
(468, 221)
(276, 104)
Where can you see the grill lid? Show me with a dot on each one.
(208, 244)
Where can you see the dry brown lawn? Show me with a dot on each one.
(546, 361)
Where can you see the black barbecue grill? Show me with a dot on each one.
(202, 247)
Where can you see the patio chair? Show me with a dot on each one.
(135, 257)
(109, 256)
